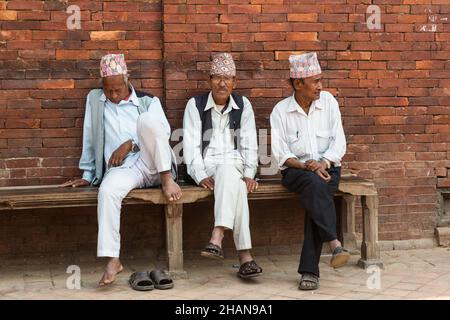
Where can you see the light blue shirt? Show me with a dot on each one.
(120, 126)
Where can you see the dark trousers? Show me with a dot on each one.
(317, 198)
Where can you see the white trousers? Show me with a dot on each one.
(155, 157)
(231, 204)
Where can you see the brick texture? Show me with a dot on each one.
(392, 84)
(46, 71)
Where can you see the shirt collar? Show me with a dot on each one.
(210, 104)
(133, 97)
(294, 106)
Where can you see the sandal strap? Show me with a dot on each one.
(249, 267)
(213, 248)
(310, 277)
(160, 277)
(140, 276)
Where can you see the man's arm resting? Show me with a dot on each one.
(294, 163)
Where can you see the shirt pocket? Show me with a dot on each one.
(323, 140)
(296, 145)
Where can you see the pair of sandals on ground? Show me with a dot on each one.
(247, 270)
(309, 281)
(146, 281)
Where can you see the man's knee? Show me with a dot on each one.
(150, 124)
(112, 191)
(317, 184)
(227, 174)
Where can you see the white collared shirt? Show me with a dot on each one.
(316, 135)
(221, 146)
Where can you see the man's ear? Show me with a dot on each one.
(234, 83)
(297, 83)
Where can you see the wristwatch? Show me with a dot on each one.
(134, 147)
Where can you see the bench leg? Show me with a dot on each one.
(370, 250)
(174, 237)
(348, 222)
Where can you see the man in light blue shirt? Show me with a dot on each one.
(125, 146)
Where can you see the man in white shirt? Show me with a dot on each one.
(221, 153)
(308, 142)
(125, 146)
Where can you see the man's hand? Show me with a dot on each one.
(75, 183)
(252, 185)
(313, 165)
(207, 183)
(119, 154)
(323, 174)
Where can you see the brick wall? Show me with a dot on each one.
(46, 71)
(392, 84)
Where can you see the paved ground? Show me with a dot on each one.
(413, 274)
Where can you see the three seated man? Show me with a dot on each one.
(126, 146)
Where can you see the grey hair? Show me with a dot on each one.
(125, 78)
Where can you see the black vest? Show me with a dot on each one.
(206, 118)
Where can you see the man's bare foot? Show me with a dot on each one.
(113, 268)
(334, 244)
(170, 188)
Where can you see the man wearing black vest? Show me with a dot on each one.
(221, 154)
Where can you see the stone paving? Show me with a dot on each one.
(409, 274)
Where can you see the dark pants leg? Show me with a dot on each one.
(317, 198)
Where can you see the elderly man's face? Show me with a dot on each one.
(222, 86)
(310, 87)
(115, 88)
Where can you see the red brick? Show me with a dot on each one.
(125, 6)
(234, 18)
(301, 36)
(72, 54)
(107, 35)
(302, 17)
(275, 27)
(56, 84)
(25, 5)
(251, 9)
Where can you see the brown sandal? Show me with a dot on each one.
(249, 270)
(340, 257)
(212, 251)
(309, 281)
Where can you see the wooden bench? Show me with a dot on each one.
(350, 187)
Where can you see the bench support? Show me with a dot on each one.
(348, 222)
(370, 250)
(174, 236)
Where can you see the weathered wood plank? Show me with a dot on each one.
(53, 196)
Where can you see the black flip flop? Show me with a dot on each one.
(161, 280)
(141, 281)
